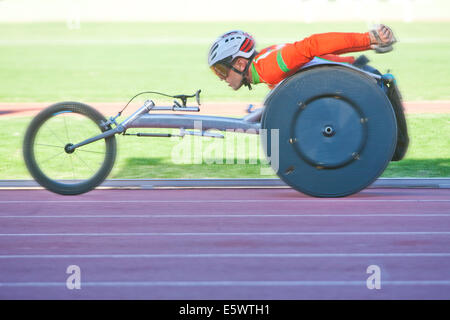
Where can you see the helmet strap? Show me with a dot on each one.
(244, 81)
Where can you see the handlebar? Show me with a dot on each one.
(184, 97)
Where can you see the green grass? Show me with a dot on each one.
(428, 155)
(113, 61)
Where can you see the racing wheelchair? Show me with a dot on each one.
(330, 130)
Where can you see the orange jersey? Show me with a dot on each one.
(278, 62)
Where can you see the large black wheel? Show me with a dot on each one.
(336, 130)
(57, 168)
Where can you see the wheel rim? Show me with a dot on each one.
(51, 156)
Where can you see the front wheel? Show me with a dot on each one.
(52, 164)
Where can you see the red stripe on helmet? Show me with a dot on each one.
(242, 48)
(248, 46)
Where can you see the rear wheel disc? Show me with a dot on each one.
(336, 128)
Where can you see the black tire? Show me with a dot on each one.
(94, 120)
(402, 126)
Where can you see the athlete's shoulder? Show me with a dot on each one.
(269, 48)
(267, 51)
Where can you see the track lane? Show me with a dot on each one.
(225, 244)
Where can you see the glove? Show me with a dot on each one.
(382, 38)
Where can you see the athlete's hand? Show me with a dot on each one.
(381, 38)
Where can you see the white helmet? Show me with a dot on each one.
(230, 45)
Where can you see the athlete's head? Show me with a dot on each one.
(230, 55)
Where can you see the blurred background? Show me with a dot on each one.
(102, 51)
(231, 10)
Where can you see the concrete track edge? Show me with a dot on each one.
(437, 183)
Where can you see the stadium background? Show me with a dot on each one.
(103, 52)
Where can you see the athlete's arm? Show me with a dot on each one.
(301, 52)
(277, 64)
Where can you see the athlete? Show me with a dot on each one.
(233, 57)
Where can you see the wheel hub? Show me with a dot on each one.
(68, 148)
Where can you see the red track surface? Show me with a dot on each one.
(225, 244)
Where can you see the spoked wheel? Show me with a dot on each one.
(48, 157)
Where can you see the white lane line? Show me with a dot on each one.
(288, 283)
(216, 234)
(419, 215)
(334, 201)
(225, 255)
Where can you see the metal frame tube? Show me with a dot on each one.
(148, 105)
(140, 119)
(195, 122)
(103, 135)
(125, 124)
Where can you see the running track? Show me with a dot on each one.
(225, 244)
